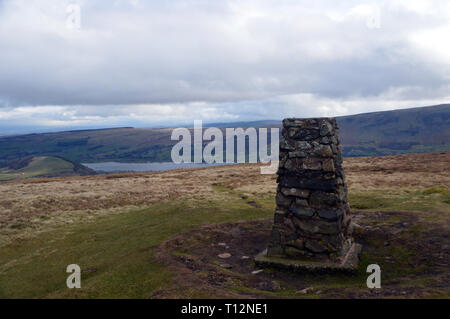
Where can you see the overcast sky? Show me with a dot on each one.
(148, 63)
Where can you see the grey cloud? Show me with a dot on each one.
(150, 63)
(186, 51)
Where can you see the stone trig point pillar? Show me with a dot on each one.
(312, 222)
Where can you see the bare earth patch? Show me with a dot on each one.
(412, 254)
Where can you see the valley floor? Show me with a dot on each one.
(156, 235)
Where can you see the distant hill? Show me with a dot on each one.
(42, 166)
(415, 130)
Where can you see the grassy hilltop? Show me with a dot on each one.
(154, 235)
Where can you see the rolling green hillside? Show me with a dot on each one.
(41, 166)
(415, 130)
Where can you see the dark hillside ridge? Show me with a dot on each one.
(415, 130)
(19, 163)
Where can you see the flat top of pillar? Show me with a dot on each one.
(309, 118)
(309, 122)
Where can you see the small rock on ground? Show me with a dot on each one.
(226, 266)
(306, 290)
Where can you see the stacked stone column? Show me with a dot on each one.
(312, 214)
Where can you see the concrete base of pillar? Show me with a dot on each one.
(347, 263)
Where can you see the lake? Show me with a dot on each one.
(114, 167)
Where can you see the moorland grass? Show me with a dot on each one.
(118, 252)
(430, 199)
